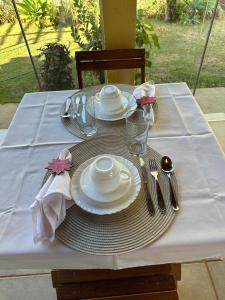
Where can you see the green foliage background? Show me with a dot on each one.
(176, 60)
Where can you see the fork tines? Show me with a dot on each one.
(152, 165)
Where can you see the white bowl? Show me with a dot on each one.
(109, 99)
(105, 175)
(99, 196)
(128, 103)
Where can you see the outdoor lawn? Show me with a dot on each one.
(180, 52)
(16, 72)
(176, 60)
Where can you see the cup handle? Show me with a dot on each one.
(125, 175)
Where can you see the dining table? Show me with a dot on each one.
(36, 135)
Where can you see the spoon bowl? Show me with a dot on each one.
(65, 115)
(167, 168)
(167, 164)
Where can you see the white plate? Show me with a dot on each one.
(128, 101)
(104, 208)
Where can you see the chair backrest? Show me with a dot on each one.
(110, 60)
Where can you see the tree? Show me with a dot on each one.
(170, 13)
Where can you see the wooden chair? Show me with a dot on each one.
(110, 60)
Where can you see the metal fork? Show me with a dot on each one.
(154, 172)
(75, 105)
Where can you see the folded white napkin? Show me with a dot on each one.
(145, 89)
(49, 208)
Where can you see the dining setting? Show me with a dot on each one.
(111, 177)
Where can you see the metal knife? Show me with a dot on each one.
(76, 104)
(83, 113)
(144, 175)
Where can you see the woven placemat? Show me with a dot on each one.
(103, 127)
(122, 232)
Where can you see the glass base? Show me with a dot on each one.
(137, 148)
(88, 131)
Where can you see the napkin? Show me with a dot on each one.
(49, 207)
(144, 90)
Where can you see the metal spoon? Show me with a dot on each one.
(167, 167)
(66, 113)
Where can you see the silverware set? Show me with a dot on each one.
(69, 101)
(167, 168)
(79, 110)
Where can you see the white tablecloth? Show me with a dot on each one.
(36, 135)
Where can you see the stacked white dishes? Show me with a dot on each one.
(111, 104)
(105, 184)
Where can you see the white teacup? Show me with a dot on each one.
(110, 99)
(107, 175)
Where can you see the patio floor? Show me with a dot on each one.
(203, 280)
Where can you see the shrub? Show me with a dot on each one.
(153, 8)
(7, 13)
(56, 71)
(187, 11)
(35, 11)
(146, 36)
(86, 30)
(194, 11)
(60, 13)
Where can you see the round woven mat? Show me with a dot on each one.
(103, 127)
(121, 232)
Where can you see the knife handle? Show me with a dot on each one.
(149, 199)
(173, 199)
(83, 113)
(161, 201)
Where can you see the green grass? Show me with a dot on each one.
(16, 72)
(177, 60)
(180, 52)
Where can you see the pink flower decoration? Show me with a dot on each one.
(58, 166)
(146, 100)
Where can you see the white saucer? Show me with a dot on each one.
(107, 206)
(128, 103)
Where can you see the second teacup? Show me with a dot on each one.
(106, 174)
(110, 99)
